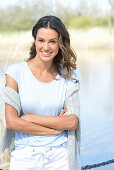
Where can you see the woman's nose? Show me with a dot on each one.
(46, 46)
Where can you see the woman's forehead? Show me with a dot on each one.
(47, 32)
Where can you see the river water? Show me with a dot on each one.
(95, 70)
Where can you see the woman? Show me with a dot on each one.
(49, 114)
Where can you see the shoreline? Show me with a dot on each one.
(15, 47)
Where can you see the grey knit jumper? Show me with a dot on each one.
(12, 98)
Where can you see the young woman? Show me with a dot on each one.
(49, 116)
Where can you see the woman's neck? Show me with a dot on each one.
(42, 67)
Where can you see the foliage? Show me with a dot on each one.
(101, 22)
(80, 22)
(23, 17)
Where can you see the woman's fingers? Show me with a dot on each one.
(26, 117)
(62, 112)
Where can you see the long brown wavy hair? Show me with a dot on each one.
(65, 60)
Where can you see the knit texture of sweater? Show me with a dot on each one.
(72, 105)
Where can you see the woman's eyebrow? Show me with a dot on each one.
(53, 39)
(40, 37)
(50, 39)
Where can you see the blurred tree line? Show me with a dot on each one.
(24, 16)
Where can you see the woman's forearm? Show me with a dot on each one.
(66, 122)
(32, 128)
(14, 122)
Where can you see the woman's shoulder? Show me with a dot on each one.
(74, 77)
(15, 65)
(74, 80)
(14, 70)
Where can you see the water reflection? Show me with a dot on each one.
(97, 110)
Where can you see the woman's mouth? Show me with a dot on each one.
(46, 53)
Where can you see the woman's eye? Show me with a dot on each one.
(40, 40)
(53, 42)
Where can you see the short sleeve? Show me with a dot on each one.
(12, 70)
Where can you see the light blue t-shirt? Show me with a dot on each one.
(42, 99)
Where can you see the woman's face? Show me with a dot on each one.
(47, 44)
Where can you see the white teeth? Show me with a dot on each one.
(46, 53)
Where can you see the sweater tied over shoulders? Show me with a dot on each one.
(72, 105)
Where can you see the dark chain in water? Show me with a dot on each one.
(97, 165)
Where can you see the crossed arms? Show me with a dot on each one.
(37, 124)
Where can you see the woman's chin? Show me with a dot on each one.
(46, 59)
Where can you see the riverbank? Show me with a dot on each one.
(15, 46)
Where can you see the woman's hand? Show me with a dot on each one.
(57, 132)
(62, 113)
(26, 117)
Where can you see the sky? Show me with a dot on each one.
(102, 4)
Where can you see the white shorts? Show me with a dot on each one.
(39, 158)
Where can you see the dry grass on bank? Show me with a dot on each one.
(15, 47)
(94, 39)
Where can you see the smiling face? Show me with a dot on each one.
(47, 44)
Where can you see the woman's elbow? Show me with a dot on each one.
(74, 122)
(10, 124)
